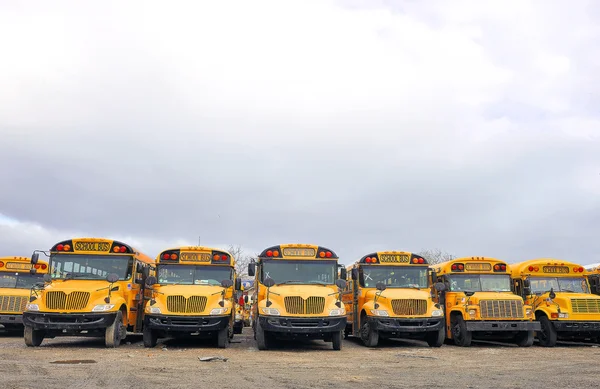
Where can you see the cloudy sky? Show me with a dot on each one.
(468, 126)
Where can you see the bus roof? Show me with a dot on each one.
(190, 255)
(546, 267)
(99, 246)
(298, 251)
(21, 264)
(471, 265)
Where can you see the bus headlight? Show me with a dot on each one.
(528, 312)
(437, 313)
(218, 311)
(32, 307)
(337, 312)
(472, 313)
(379, 312)
(271, 311)
(103, 307)
(563, 315)
(154, 310)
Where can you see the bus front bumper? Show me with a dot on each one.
(487, 326)
(405, 325)
(68, 321)
(576, 326)
(186, 323)
(302, 325)
(11, 319)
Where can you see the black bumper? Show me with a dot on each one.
(394, 325)
(186, 323)
(68, 321)
(302, 325)
(576, 326)
(488, 326)
(11, 319)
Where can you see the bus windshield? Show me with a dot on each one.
(395, 276)
(19, 280)
(90, 267)
(300, 272)
(480, 282)
(193, 275)
(558, 284)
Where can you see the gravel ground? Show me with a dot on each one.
(395, 364)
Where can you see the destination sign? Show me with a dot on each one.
(18, 266)
(299, 252)
(394, 258)
(478, 266)
(195, 257)
(91, 246)
(555, 269)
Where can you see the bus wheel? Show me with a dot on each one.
(223, 337)
(150, 337)
(262, 337)
(114, 332)
(461, 336)
(436, 338)
(368, 335)
(524, 339)
(336, 339)
(547, 336)
(33, 338)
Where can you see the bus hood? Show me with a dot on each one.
(478, 296)
(80, 285)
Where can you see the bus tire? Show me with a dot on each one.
(436, 338)
(461, 336)
(114, 332)
(524, 338)
(150, 337)
(336, 340)
(262, 338)
(547, 336)
(368, 335)
(223, 338)
(33, 338)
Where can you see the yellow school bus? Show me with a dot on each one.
(389, 296)
(17, 277)
(95, 287)
(192, 295)
(560, 295)
(479, 303)
(297, 295)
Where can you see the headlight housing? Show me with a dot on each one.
(218, 311)
(437, 313)
(154, 310)
(103, 307)
(337, 312)
(528, 312)
(32, 307)
(563, 315)
(270, 311)
(379, 312)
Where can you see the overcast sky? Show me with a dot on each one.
(468, 126)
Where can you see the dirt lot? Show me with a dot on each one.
(395, 364)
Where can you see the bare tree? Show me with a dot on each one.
(434, 256)
(242, 259)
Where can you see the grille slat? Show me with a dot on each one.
(192, 304)
(501, 309)
(74, 301)
(585, 305)
(296, 305)
(409, 307)
(13, 303)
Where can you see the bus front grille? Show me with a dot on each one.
(409, 307)
(296, 305)
(585, 305)
(192, 304)
(72, 302)
(493, 309)
(13, 303)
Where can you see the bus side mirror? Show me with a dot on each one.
(343, 273)
(226, 283)
(32, 271)
(354, 274)
(34, 258)
(526, 283)
(151, 280)
(526, 290)
(440, 286)
(380, 286)
(238, 284)
(251, 269)
(246, 299)
(47, 278)
(340, 283)
(139, 268)
(268, 282)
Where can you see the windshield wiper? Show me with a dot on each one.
(567, 290)
(318, 283)
(287, 282)
(70, 276)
